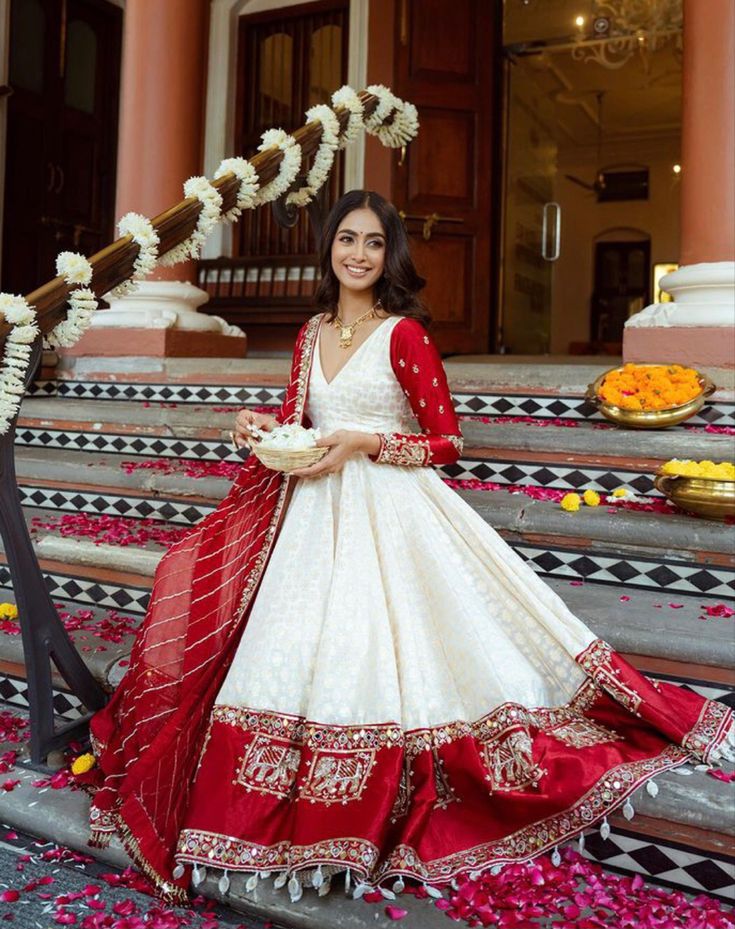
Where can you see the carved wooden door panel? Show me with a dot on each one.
(447, 64)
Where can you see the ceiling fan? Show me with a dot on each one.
(598, 184)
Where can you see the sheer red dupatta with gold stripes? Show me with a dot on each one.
(148, 739)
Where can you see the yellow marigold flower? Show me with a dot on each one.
(591, 498)
(723, 470)
(620, 492)
(570, 502)
(8, 611)
(83, 763)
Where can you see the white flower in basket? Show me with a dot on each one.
(287, 447)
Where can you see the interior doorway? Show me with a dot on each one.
(592, 126)
(621, 288)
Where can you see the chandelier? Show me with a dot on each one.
(621, 29)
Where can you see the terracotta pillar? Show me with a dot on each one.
(708, 132)
(698, 328)
(160, 144)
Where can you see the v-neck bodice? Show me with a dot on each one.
(364, 394)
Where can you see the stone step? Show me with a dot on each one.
(652, 550)
(685, 846)
(505, 453)
(542, 391)
(635, 621)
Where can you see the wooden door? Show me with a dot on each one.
(448, 64)
(62, 134)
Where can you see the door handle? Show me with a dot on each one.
(428, 222)
(50, 168)
(551, 254)
(60, 185)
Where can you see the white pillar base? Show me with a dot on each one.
(704, 295)
(697, 328)
(162, 305)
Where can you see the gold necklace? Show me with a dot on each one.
(346, 331)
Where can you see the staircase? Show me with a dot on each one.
(641, 579)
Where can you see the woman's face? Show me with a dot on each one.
(358, 250)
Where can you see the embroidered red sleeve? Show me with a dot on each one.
(418, 367)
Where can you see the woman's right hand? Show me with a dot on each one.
(246, 419)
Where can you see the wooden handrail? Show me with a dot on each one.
(114, 264)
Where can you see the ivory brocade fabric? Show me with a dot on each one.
(407, 697)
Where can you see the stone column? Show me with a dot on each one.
(159, 146)
(698, 328)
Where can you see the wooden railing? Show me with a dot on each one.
(114, 264)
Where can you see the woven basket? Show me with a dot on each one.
(288, 459)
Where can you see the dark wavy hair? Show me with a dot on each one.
(399, 285)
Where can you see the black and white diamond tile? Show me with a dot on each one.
(225, 394)
(540, 406)
(14, 693)
(85, 592)
(568, 406)
(124, 444)
(180, 512)
(552, 475)
(670, 576)
(670, 864)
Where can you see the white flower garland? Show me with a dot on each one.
(17, 354)
(349, 99)
(249, 184)
(201, 189)
(404, 125)
(141, 230)
(324, 158)
(75, 269)
(288, 168)
(82, 306)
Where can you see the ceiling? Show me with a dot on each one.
(640, 100)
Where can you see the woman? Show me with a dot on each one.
(407, 698)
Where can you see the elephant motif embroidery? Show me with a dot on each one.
(337, 776)
(582, 733)
(270, 766)
(508, 760)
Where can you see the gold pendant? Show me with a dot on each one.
(345, 337)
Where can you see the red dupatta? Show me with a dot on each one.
(148, 738)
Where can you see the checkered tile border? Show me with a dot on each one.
(85, 592)
(553, 475)
(671, 576)
(123, 444)
(14, 693)
(671, 864)
(233, 394)
(565, 406)
(130, 506)
(556, 476)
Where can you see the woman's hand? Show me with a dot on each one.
(245, 420)
(342, 445)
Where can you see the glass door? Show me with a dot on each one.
(532, 226)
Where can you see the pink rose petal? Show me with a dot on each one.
(395, 913)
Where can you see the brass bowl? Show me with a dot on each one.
(649, 419)
(706, 496)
